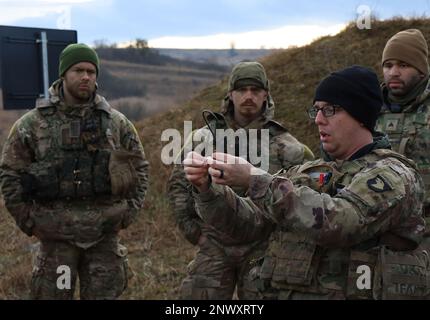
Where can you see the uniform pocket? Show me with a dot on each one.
(361, 275)
(125, 269)
(403, 275)
(200, 288)
(294, 256)
(122, 173)
(37, 279)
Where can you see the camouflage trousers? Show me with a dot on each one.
(215, 273)
(426, 213)
(101, 269)
(425, 243)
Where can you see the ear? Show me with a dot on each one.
(230, 95)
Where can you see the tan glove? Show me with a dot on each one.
(122, 172)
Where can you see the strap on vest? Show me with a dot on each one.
(403, 143)
(106, 124)
(397, 243)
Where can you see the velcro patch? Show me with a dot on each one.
(378, 184)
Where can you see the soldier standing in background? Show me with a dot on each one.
(346, 227)
(73, 173)
(222, 260)
(405, 115)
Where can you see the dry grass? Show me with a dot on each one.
(15, 259)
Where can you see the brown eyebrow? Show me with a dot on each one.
(83, 69)
(396, 63)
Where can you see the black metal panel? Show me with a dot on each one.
(21, 65)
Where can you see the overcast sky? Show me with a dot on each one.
(201, 24)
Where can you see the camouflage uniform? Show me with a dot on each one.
(73, 176)
(221, 261)
(407, 123)
(331, 219)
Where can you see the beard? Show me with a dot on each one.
(405, 87)
(80, 95)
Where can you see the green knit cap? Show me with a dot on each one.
(75, 53)
(248, 74)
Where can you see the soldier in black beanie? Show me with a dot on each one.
(361, 209)
(354, 90)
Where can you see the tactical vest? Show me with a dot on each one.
(293, 261)
(71, 156)
(409, 134)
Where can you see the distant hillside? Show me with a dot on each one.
(153, 56)
(141, 90)
(141, 83)
(158, 253)
(227, 57)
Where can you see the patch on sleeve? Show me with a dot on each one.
(378, 184)
(378, 187)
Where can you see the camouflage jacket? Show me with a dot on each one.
(331, 218)
(73, 173)
(284, 151)
(407, 123)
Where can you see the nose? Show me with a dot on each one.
(85, 75)
(320, 119)
(394, 71)
(247, 94)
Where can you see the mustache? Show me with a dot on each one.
(87, 84)
(395, 79)
(249, 103)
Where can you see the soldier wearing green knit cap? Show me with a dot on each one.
(73, 173)
(77, 52)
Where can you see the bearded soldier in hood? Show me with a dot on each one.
(222, 261)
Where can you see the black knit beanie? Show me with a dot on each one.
(356, 89)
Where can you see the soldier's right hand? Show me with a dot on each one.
(196, 171)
